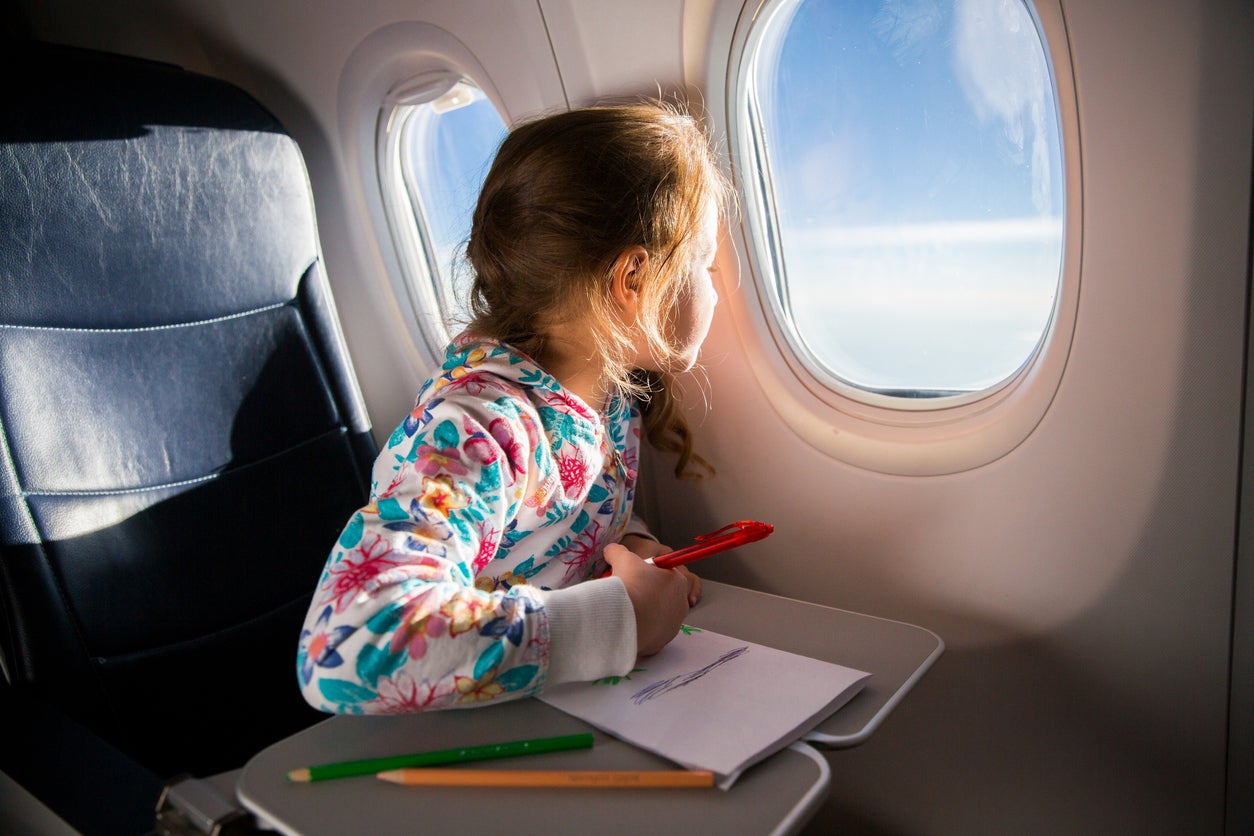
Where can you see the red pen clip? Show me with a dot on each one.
(727, 537)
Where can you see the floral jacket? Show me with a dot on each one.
(460, 581)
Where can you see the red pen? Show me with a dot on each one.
(727, 537)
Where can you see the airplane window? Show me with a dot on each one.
(907, 191)
(438, 144)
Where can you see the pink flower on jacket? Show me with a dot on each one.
(583, 554)
(503, 432)
(432, 462)
(419, 619)
(489, 539)
(477, 446)
(403, 695)
(350, 575)
(566, 402)
(573, 470)
(424, 566)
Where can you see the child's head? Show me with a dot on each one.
(566, 198)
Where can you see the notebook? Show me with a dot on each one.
(709, 701)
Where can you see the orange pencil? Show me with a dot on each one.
(594, 779)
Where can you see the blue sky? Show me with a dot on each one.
(449, 156)
(918, 185)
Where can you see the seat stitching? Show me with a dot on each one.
(147, 328)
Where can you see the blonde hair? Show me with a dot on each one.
(565, 197)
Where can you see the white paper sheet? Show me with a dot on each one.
(708, 701)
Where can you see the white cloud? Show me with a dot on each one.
(999, 62)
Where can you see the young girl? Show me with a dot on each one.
(475, 573)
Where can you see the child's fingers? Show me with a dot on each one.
(694, 585)
(616, 555)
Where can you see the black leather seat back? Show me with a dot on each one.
(183, 436)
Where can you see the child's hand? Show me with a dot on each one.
(647, 548)
(659, 597)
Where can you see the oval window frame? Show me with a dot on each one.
(882, 433)
(403, 208)
(387, 61)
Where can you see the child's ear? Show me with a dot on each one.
(629, 271)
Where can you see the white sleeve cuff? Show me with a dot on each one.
(592, 631)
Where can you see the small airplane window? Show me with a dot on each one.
(440, 137)
(906, 195)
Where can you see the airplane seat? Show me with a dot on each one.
(183, 434)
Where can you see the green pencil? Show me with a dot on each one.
(372, 766)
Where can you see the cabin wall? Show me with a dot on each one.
(1083, 582)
